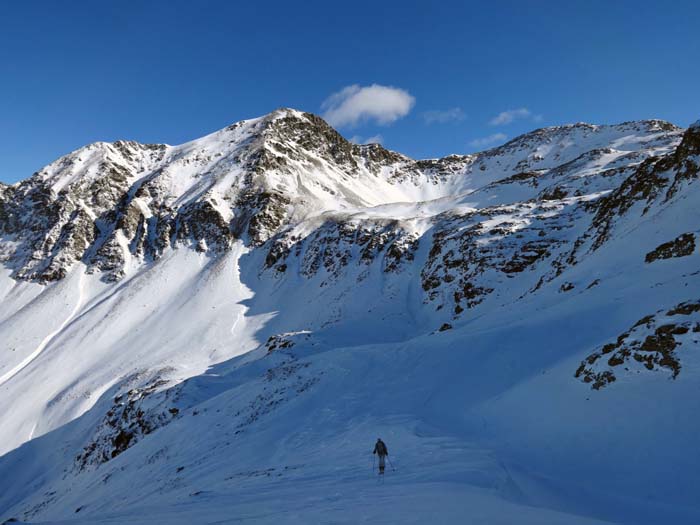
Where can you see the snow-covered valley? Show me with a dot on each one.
(217, 332)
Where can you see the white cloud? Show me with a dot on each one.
(443, 116)
(355, 104)
(374, 139)
(506, 117)
(488, 141)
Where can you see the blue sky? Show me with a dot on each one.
(426, 79)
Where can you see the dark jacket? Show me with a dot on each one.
(380, 448)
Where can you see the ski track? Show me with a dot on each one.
(47, 340)
(235, 323)
(31, 433)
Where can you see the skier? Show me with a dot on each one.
(381, 451)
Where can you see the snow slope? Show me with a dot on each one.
(218, 332)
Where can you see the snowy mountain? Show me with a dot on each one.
(218, 331)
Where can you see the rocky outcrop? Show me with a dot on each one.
(686, 160)
(202, 225)
(473, 255)
(654, 343)
(135, 413)
(681, 246)
(338, 244)
(260, 215)
(643, 186)
(8, 223)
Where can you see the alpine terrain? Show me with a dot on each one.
(219, 331)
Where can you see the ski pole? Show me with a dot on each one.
(390, 463)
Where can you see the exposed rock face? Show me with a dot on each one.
(261, 215)
(311, 134)
(681, 246)
(686, 160)
(644, 185)
(476, 254)
(134, 414)
(69, 211)
(339, 243)
(654, 343)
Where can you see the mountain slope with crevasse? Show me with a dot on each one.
(220, 330)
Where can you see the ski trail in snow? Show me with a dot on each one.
(45, 342)
(235, 323)
(31, 434)
(239, 287)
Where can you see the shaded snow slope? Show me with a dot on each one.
(229, 324)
